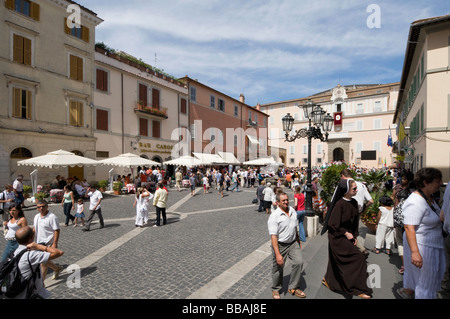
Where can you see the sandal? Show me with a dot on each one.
(402, 293)
(401, 271)
(297, 292)
(388, 252)
(276, 294)
(324, 282)
(375, 251)
(364, 296)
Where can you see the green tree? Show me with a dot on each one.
(330, 179)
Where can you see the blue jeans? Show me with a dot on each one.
(67, 207)
(301, 229)
(11, 245)
(236, 185)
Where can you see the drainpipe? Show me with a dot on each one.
(123, 123)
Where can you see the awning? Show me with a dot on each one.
(253, 139)
(229, 158)
(209, 159)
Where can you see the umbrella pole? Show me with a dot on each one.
(111, 179)
(33, 176)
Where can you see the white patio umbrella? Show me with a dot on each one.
(55, 159)
(58, 159)
(188, 161)
(128, 160)
(209, 159)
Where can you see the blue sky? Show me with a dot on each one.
(269, 50)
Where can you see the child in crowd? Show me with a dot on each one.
(385, 227)
(141, 203)
(80, 213)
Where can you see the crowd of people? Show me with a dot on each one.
(410, 219)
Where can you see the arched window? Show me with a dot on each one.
(21, 153)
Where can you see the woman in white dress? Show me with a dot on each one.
(424, 254)
(141, 203)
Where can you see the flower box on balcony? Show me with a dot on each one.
(159, 112)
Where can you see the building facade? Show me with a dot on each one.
(220, 123)
(363, 120)
(45, 85)
(137, 110)
(423, 109)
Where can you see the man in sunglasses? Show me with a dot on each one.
(46, 232)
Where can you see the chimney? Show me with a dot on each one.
(258, 106)
(242, 98)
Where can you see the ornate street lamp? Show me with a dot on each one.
(317, 121)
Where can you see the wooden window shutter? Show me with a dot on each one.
(102, 80)
(18, 48)
(155, 98)
(183, 108)
(66, 28)
(34, 11)
(9, 4)
(85, 33)
(143, 127)
(73, 113)
(156, 129)
(102, 120)
(80, 114)
(26, 51)
(73, 67)
(79, 69)
(143, 94)
(17, 103)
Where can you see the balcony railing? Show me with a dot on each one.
(158, 112)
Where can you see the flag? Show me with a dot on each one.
(389, 141)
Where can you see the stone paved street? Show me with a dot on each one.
(212, 247)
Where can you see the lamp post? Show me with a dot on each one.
(317, 121)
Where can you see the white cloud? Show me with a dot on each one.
(267, 49)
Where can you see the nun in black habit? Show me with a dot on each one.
(347, 268)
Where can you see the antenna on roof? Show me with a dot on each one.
(156, 59)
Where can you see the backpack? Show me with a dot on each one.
(12, 283)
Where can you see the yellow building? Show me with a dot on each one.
(366, 113)
(423, 109)
(45, 84)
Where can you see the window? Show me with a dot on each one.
(292, 160)
(319, 148)
(377, 107)
(236, 111)
(76, 68)
(183, 106)
(102, 154)
(221, 105)
(235, 138)
(156, 129)
(76, 114)
(292, 149)
(193, 131)
(156, 99)
(102, 120)
(359, 147)
(22, 103)
(360, 108)
(21, 153)
(377, 124)
(377, 146)
(359, 125)
(143, 94)
(193, 94)
(81, 33)
(102, 80)
(25, 7)
(319, 160)
(213, 102)
(143, 127)
(249, 116)
(265, 121)
(305, 149)
(22, 50)
(256, 118)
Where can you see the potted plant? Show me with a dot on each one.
(26, 191)
(102, 185)
(117, 188)
(40, 195)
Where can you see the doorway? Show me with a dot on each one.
(338, 154)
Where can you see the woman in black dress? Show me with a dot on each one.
(347, 268)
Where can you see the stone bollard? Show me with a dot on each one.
(311, 224)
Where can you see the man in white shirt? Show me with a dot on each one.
(18, 190)
(46, 232)
(444, 293)
(94, 207)
(283, 233)
(36, 255)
